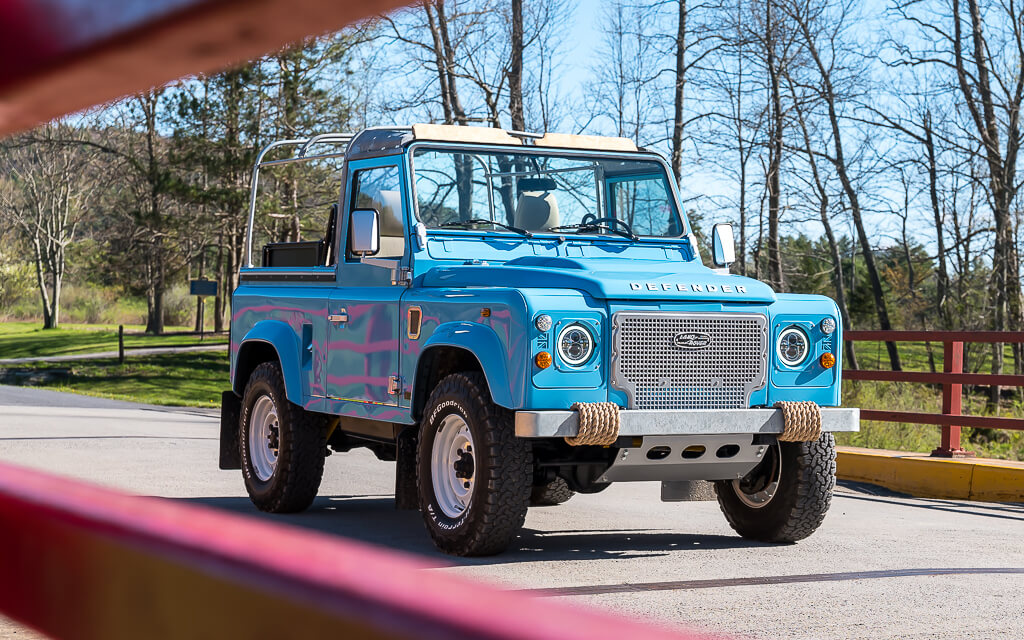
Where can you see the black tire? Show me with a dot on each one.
(551, 494)
(502, 470)
(805, 482)
(301, 449)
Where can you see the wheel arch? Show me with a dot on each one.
(458, 347)
(436, 363)
(269, 341)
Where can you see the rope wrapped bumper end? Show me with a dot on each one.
(801, 421)
(599, 423)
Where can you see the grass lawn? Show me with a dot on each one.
(986, 443)
(914, 356)
(172, 379)
(27, 339)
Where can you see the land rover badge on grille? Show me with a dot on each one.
(691, 340)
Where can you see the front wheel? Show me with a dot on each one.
(784, 498)
(282, 446)
(474, 475)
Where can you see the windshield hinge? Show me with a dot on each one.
(402, 276)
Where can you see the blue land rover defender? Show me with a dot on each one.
(513, 318)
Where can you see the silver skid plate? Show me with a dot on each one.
(673, 458)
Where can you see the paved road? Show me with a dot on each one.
(874, 569)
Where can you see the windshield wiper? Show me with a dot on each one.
(625, 232)
(475, 221)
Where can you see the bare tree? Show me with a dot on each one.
(774, 64)
(45, 195)
(817, 28)
(982, 49)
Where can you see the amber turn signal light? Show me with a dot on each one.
(828, 360)
(543, 359)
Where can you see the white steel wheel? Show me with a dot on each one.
(452, 466)
(264, 438)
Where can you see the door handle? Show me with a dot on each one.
(338, 317)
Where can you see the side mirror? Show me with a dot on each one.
(723, 245)
(364, 232)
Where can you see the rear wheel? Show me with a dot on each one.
(282, 446)
(473, 473)
(784, 498)
(553, 493)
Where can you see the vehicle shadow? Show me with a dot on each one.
(872, 493)
(373, 519)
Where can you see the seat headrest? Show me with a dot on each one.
(536, 210)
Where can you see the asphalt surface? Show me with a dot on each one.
(881, 566)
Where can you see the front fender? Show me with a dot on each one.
(285, 342)
(486, 347)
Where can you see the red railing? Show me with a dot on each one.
(87, 563)
(952, 380)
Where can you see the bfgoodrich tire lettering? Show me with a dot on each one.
(806, 478)
(301, 446)
(501, 470)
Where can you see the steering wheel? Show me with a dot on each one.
(591, 219)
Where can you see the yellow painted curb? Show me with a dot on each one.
(923, 476)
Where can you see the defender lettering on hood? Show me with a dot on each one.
(683, 286)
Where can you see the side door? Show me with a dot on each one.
(363, 376)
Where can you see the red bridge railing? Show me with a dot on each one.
(952, 380)
(87, 563)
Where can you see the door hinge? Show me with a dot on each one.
(394, 385)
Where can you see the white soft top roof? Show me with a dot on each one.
(490, 135)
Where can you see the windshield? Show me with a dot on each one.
(539, 192)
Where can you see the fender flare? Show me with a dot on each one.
(282, 338)
(483, 343)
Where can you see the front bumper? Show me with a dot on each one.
(681, 422)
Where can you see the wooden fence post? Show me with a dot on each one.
(120, 343)
(952, 401)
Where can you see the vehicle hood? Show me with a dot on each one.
(606, 278)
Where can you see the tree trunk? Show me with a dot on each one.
(775, 275)
(833, 246)
(218, 301)
(155, 295)
(44, 295)
(515, 69)
(942, 282)
(679, 94)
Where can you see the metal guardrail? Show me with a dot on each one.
(952, 380)
(88, 563)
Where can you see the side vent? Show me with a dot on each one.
(415, 320)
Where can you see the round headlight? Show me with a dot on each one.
(575, 344)
(543, 322)
(828, 325)
(793, 346)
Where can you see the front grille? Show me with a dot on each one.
(666, 360)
